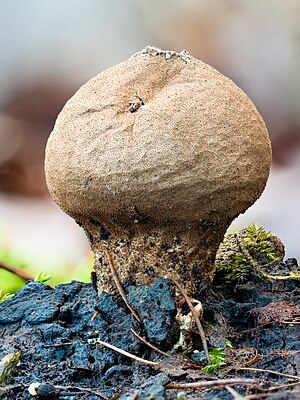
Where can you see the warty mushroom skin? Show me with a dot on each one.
(154, 158)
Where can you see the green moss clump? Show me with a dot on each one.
(242, 253)
(259, 242)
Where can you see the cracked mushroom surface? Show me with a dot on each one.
(154, 158)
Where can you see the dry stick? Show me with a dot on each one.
(58, 344)
(120, 289)
(134, 395)
(234, 393)
(280, 395)
(217, 382)
(148, 344)
(254, 329)
(265, 370)
(290, 322)
(72, 393)
(125, 353)
(94, 316)
(252, 359)
(82, 389)
(17, 272)
(197, 320)
(280, 386)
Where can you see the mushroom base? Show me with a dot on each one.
(141, 259)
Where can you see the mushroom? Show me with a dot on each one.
(154, 158)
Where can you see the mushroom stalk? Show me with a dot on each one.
(140, 258)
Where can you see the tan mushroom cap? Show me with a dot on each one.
(162, 141)
(197, 143)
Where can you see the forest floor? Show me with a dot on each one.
(252, 333)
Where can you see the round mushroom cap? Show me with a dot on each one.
(162, 139)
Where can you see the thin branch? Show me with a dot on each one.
(265, 370)
(280, 395)
(120, 289)
(217, 382)
(71, 393)
(234, 393)
(252, 359)
(280, 386)
(143, 340)
(250, 330)
(18, 272)
(134, 395)
(82, 389)
(126, 354)
(197, 320)
(58, 344)
(94, 316)
(290, 322)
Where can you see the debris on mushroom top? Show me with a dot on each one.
(155, 51)
(162, 146)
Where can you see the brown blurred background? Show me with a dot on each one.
(50, 47)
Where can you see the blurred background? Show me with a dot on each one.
(50, 48)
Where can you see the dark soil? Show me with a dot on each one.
(51, 327)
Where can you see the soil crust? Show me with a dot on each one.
(52, 328)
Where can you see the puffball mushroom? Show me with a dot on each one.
(154, 158)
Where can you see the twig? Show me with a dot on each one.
(197, 320)
(290, 322)
(58, 344)
(252, 359)
(95, 316)
(21, 274)
(250, 330)
(71, 393)
(280, 386)
(82, 389)
(134, 395)
(280, 395)
(148, 344)
(234, 393)
(265, 370)
(120, 289)
(125, 353)
(217, 382)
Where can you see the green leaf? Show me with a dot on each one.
(5, 296)
(217, 358)
(43, 277)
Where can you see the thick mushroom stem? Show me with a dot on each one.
(142, 258)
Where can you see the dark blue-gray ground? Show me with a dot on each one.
(51, 328)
